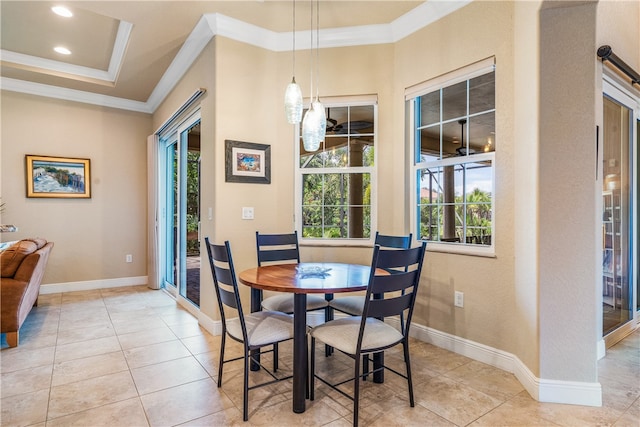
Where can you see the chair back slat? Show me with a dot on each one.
(219, 253)
(389, 307)
(396, 282)
(228, 298)
(397, 242)
(224, 276)
(277, 247)
(399, 258)
(278, 255)
(277, 239)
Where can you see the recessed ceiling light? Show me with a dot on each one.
(62, 11)
(62, 50)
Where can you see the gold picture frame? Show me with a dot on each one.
(58, 177)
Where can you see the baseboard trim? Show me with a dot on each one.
(88, 285)
(552, 391)
(570, 392)
(480, 352)
(214, 327)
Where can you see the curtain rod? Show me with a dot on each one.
(606, 53)
(188, 103)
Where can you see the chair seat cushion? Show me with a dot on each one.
(263, 328)
(343, 334)
(284, 303)
(352, 305)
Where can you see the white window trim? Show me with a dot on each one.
(449, 79)
(343, 101)
(462, 74)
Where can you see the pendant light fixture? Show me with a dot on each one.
(293, 94)
(314, 124)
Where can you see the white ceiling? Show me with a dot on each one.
(130, 54)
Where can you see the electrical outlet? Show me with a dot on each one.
(128, 258)
(458, 300)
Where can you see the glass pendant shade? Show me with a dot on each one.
(314, 127)
(293, 102)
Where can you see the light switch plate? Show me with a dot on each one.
(247, 213)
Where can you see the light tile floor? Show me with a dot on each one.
(132, 357)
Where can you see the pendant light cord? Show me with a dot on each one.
(311, 55)
(317, 50)
(294, 39)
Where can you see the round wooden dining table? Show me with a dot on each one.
(302, 279)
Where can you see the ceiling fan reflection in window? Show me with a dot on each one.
(352, 127)
(463, 150)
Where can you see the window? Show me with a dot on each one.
(452, 125)
(335, 185)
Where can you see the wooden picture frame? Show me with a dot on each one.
(247, 162)
(58, 177)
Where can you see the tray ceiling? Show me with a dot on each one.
(129, 54)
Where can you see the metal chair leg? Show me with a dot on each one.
(365, 366)
(275, 357)
(221, 363)
(356, 390)
(407, 362)
(245, 394)
(312, 369)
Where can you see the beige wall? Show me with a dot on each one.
(91, 236)
(248, 100)
(476, 32)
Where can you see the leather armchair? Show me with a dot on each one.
(22, 267)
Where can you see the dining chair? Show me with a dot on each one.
(359, 337)
(255, 331)
(353, 304)
(279, 248)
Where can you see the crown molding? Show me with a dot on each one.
(119, 49)
(49, 66)
(188, 53)
(207, 27)
(243, 32)
(57, 92)
(423, 15)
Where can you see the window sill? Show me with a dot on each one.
(352, 243)
(458, 249)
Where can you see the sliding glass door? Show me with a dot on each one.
(620, 210)
(180, 184)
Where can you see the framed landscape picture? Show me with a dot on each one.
(62, 177)
(247, 162)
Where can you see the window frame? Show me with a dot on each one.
(416, 166)
(335, 102)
